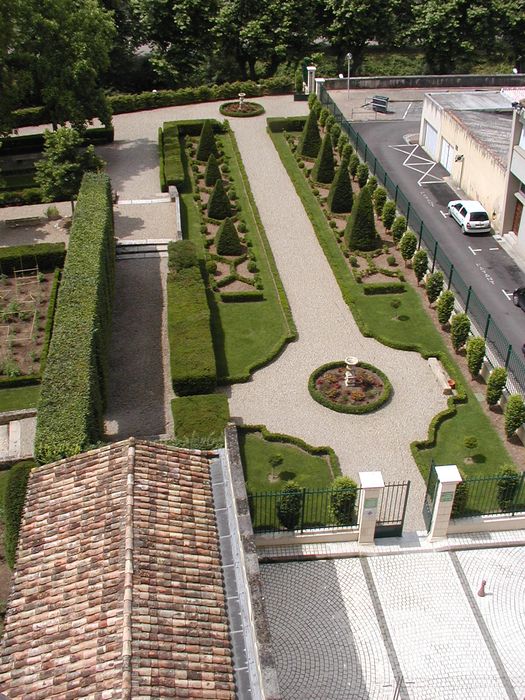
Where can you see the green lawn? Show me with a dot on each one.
(20, 397)
(307, 470)
(247, 335)
(200, 416)
(376, 317)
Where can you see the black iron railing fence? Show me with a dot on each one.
(499, 350)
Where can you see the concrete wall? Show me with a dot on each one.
(486, 523)
(426, 81)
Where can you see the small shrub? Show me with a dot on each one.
(391, 260)
(289, 505)
(445, 307)
(353, 261)
(434, 286)
(388, 214)
(475, 355)
(52, 212)
(353, 164)
(212, 172)
(211, 266)
(298, 82)
(459, 331)
(343, 141)
(379, 199)
(227, 239)
(514, 414)
(495, 385)
(470, 442)
(330, 121)
(362, 174)
(335, 133)
(398, 228)
(323, 170)
(325, 113)
(241, 227)
(343, 500)
(207, 144)
(219, 206)
(395, 303)
(372, 184)
(460, 500)
(408, 245)
(252, 266)
(508, 484)
(14, 497)
(420, 264)
(182, 254)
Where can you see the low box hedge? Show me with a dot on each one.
(73, 395)
(192, 356)
(193, 127)
(384, 288)
(278, 124)
(51, 310)
(34, 143)
(10, 198)
(47, 256)
(200, 416)
(236, 297)
(172, 156)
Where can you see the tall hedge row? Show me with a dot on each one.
(47, 256)
(14, 498)
(73, 394)
(192, 357)
(171, 156)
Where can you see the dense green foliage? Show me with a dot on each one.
(420, 264)
(227, 239)
(507, 487)
(207, 144)
(74, 385)
(434, 286)
(212, 172)
(47, 256)
(34, 143)
(459, 331)
(495, 385)
(289, 505)
(323, 170)
(219, 206)
(353, 164)
(398, 228)
(514, 414)
(14, 498)
(362, 175)
(200, 416)
(182, 254)
(360, 231)
(171, 157)
(341, 196)
(192, 357)
(379, 199)
(445, 306)
(343, 500)
(310, 141)
(388, 214)
(408, 245)
(475, 355)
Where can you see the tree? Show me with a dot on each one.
(289, 505)
(379, 198)
(342, 500)
(434, 286)
(227, 239)
(445, 306)
(450, 31)
(64, 161)
(495, 385)
(207, 144)
(310, 141)
(70, 44)
(219, 206)
(420, 264)
(408, 245)
(510, 18)
(398, 228)
(353, 164)
(323, 170)
(360, 232)
(341, 196)
(388, 214)
(508, 485)
(212, 173)
(459, 331)
(14, 60)
(475, 355)
(362, 175)
(514, 414)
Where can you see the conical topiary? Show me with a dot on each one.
(219, 206)
(323, 170)
(227, 239)
(310, 140)
(207, 144)
(341, 196)
(360, 232)
(212, 173)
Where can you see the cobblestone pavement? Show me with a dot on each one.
(353, 628)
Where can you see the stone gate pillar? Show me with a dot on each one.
(311, 79)
(448, 479)
(372, 485)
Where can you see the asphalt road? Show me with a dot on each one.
(478, 258)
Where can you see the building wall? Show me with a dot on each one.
(515, 184)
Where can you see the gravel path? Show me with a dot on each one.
(278, 394)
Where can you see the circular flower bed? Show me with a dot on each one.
(365, 391)
(247, 109)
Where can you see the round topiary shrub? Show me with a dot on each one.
(247, 109)
(289, 505)
(459, 331)
(227, 240)
(445, 307)
(514, 414)
(420, 264)
(434, 286)
(398, 228)
(495, 385)
(475, 355)
(508, 485)
(408, 245)
(366, 390)
(211, 266)
(388, 214)
(342, 500)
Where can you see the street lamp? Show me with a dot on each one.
(349, 59)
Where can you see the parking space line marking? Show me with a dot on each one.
(475, 250)
(497, 248)
(444, 214)
(507, 294)
(418, 163)
(406, 110)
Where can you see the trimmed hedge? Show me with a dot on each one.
(227, 110)
(34, 143)
(279, 124)
(73, 395)
(323, 170)
(192, 357)
(360, 232)
(236, 297)
(48, 256)
(193, 127)
(182, 254)
(172, 156)
(227, 239)
(162, 175)
(212, 172)
(14, 498)
(367, 408)
(206, 145)
(50, 319)
(341, 197)
(384, 288)
(199, 416)
(219, 206)
(31, 195)
(310, 141)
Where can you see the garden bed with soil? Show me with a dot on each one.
(350, 389)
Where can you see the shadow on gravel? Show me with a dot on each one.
(136, 377)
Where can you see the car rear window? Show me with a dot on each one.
(479, 216)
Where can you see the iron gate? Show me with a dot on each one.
(392, 508)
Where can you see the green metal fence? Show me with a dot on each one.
(500, 350)
(492, 495)
(276, 511)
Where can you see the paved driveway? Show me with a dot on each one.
(356, 628)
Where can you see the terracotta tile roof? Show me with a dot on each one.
(118, 589)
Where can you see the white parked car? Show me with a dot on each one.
(470, 215)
